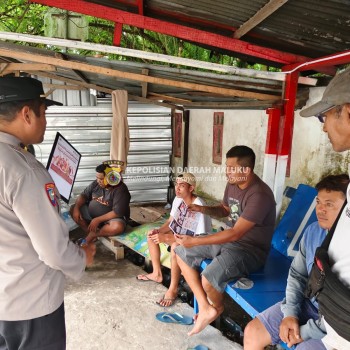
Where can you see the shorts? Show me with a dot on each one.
(43, 333)
(87, 217)
(230, 261)
(272, 317)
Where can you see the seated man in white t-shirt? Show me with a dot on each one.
(180, 221)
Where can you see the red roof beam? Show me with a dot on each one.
(179, 31)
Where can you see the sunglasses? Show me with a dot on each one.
(321, 117)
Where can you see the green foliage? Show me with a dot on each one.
(18, 16)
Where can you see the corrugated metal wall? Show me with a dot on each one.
(89, 128)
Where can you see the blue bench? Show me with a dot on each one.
(270, 283)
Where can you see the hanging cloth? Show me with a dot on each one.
(120, 137)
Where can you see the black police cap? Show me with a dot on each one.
(22, 89)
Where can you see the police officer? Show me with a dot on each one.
(333, 110)
(35, 252)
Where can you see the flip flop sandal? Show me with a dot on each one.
(175, 317)
(145, 279)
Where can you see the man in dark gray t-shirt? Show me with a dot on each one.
(254, 203)
(241, 248)
(102, 209)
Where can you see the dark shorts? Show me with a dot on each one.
(43, 333)
(87, 217)
(272, 317)
(230, 261)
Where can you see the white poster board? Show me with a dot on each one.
(185, 221)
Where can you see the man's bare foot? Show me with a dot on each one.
(168, 299)
(150, 278)
(204, 318)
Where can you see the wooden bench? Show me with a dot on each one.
(270, 283)
(135, 238)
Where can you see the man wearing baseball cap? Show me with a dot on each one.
(188, 178)
(35, 252)
(334, 112)
(176, 224)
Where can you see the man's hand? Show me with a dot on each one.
(289, 331)
(196, 207)
(94, 224)
(150, 233)
(76, 214)
(185, 240)
(157, 237)
(90, 251)
(293, 340)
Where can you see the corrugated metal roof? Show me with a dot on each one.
(227, 12)
(283, 32)
(310, 28)
(88, 73)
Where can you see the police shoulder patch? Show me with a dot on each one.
(50, 191)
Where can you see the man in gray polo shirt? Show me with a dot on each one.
(35, 252)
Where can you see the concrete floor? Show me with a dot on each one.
(110, 310)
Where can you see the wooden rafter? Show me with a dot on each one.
(262, 14)
(6, 68)
(80, 76)
(146, 100)
(63, 87)
(3, 68)
(229, 105)
(154, 96)
(135, 77)
(100, 88)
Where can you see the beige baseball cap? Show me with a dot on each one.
(337, 93)
(188, 178)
